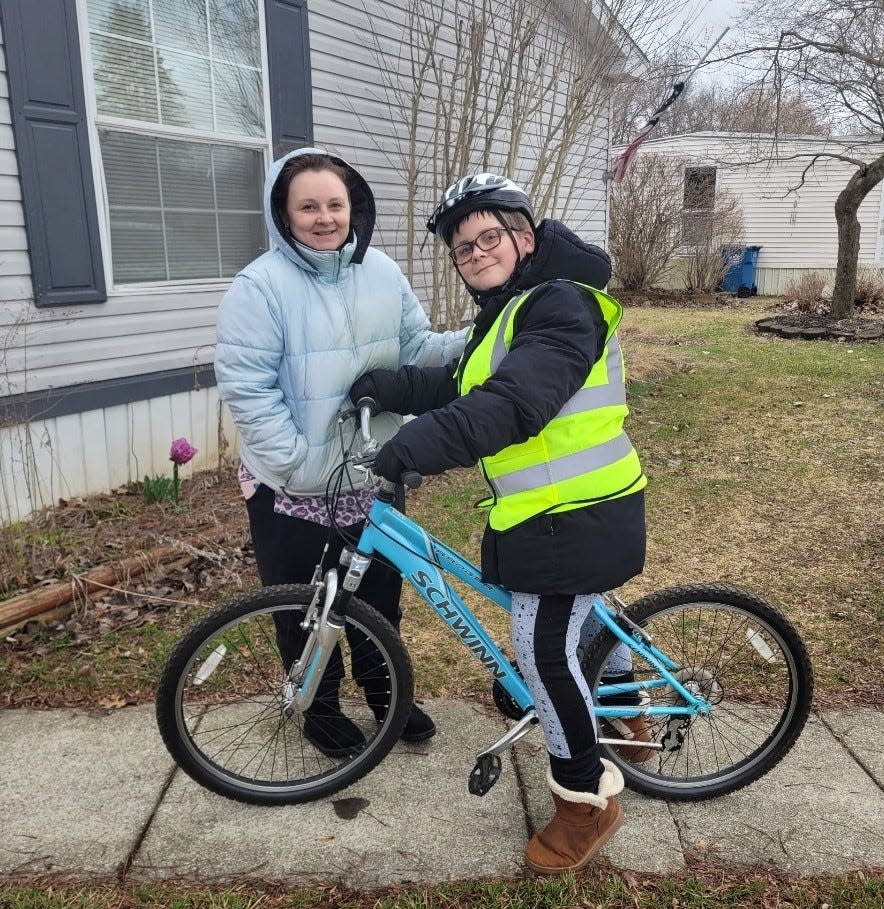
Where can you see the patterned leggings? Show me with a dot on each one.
(547, 630)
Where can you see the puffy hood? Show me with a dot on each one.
(559, 253)
(362, 208)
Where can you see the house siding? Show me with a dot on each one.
(351, 116)
(796, 230)
(138, 333)
(15, 269)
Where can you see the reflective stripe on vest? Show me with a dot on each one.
(560, 469)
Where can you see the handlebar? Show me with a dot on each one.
(367, 408)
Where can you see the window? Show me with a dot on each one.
(698, 204)
(180, 113)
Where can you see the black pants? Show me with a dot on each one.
(286, 551)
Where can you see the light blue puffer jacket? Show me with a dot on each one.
(295, 330)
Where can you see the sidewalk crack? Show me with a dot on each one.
(125, 866)
(686, 854)
(841, 741)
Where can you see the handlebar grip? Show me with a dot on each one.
(411, 478)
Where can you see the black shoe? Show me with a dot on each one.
(332, 733)
(419, 727)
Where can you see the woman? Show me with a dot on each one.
(538, 398)
(295, 329)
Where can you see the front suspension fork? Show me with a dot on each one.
(324, 632)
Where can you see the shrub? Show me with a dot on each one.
(645, 221)
(869, 287)
(807, 292)
(706, 265)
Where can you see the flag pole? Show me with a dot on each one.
(618, 172)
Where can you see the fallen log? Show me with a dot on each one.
(58, 599)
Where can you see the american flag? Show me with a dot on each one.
(618, 173)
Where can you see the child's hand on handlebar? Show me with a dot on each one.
(388, 465)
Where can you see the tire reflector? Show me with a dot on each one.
(210, 665)
(753, 636)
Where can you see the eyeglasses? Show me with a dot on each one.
(486, 241)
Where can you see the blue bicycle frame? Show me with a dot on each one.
(421, 559)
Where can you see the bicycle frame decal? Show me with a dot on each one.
(420, 559)
(418, 555)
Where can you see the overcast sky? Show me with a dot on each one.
(704, 21)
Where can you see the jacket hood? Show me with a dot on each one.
(559, 253)
(362, 209)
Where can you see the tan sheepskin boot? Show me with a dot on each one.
(582, 824)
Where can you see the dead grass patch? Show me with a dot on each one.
(765, 471)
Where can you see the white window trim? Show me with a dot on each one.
(686, 249)
(95, 121)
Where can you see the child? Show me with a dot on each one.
(538, 399)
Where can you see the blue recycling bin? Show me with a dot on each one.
(739, 278)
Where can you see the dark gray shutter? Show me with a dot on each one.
(291, 91)
(52, 145)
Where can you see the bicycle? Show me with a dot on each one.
(722, 678)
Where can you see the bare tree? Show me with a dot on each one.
(516, 86)
(646, 221)
(833, 51)
(747, 106)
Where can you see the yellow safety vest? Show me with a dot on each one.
(582, 456)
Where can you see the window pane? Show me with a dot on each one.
(185, 96)
(239, 178)
(242, 239)
(129, 18)
(125, 84)
(137, 246)
(238, 100)
(695, 227)
(699, 187)
(186, 169)
(193, 245)
(181, 24)
(163, 207)
(234, 29)
(130, 169)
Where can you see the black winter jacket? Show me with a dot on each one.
(558, 335)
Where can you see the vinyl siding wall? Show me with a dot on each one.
(140, 332)
(796, 231)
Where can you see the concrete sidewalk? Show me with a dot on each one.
(96, 795)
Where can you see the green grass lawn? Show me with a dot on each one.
(765, 469)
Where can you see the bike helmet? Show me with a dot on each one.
(476, 192)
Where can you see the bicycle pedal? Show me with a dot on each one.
(485, 774)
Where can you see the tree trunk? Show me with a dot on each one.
(846, 207)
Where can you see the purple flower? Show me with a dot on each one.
(182, 451)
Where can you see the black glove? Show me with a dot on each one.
(382, 385)
(387, 463)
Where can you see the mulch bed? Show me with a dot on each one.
(678, 299)
(814, 326)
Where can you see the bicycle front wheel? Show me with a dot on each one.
(740, 654)
(221, 698)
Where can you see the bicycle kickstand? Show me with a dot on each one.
(488, 764)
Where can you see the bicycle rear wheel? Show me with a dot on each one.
(745, 658)
(221, 696)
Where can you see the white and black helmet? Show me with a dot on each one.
(477, 192)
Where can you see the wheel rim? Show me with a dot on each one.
(228, 706)
(751, 684)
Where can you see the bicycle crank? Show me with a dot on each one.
(488, 764)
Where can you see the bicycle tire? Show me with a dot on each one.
(760, 705)
(205, 725)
